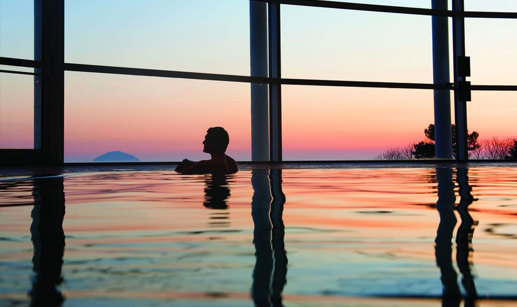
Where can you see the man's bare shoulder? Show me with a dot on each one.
(231, 165)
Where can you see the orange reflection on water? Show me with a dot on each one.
(350, 233)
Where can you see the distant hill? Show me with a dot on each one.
(116, 156)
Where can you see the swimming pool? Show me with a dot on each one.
(298, 236)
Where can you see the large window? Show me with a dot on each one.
(491, 6)
(160, 117)
(492, 114)
(491, 111)
(16, 82)
(17, 29)
(350, 123)
(355, 45)
(153, 119)
(16, 110)
(193, 35)
(413, 3)
(343, 80)
(493, 52)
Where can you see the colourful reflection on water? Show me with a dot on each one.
(356, 236)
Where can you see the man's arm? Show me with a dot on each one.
(189, 167)
(186, 163)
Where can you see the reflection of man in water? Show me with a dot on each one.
(215, 143)
(216, 192)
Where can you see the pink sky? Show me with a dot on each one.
(166, 119)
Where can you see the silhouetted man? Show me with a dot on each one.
(215, 143)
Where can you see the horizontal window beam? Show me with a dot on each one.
(19, 62)
(500, 15)
(494, 87)
(162, 73)
(284, 81)
(427, 86)
(364, 7)
(247, 79)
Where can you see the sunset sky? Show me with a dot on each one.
(159, 119)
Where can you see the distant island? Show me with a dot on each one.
(116, 156)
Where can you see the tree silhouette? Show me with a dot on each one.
(495, 148)
(513, 151)
(423, 150)
(397, 153)
(426, 148)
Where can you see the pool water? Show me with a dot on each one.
(345, 235)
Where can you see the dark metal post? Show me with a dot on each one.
(443, 246)
(38, 54)
(277, 237)
(48, 239)
(460, 104)
(442, 98)
(262, 226)
(49, 107)
(275, 88)
(259, 92)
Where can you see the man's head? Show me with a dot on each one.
(216, 140)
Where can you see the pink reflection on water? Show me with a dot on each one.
(354, 231)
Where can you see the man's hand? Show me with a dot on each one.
(186, 163)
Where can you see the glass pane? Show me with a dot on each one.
(491, 6)
(333, 123)
(492, 52)
(492, 115)
(355, 45)
(16, 111)
(194, 35)
(17, 68)
(406, 3)
(153, 119)
(17, 29)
